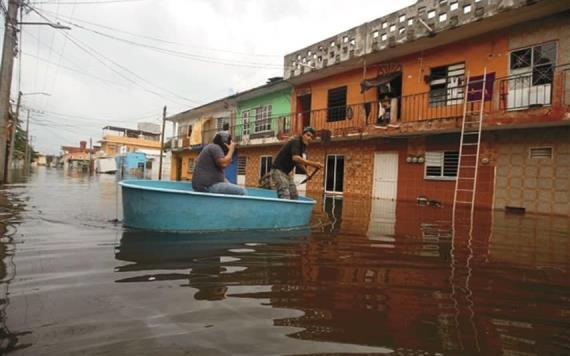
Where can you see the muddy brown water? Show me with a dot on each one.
(369, 277)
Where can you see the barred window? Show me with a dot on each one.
(442, 165)
(447, 85)
(537, 61)
(336, 104)
(263, 118)
(245, 122)
(265, 167)
(191, 163)
(241, 164)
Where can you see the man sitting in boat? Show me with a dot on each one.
(290, 155)
(208, 174)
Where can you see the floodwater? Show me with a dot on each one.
(370, 277)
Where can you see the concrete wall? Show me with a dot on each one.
(553, 28)
(537, 185)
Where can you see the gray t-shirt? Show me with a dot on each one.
(206, 170)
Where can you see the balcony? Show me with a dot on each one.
(515, 100)
(522, 99)
(257, 132)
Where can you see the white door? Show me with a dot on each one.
(385, 175)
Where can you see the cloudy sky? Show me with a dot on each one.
(123, 60)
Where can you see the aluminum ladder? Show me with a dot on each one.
(468, 161)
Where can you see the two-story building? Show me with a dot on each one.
(194, 129)
(446, 100)
(117, 140)
(393, 93)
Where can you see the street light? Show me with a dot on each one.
(54, 25)
(15, 128)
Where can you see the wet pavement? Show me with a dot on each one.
(370, 277)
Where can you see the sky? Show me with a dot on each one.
(122, 61)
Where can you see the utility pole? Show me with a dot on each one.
(30, 152)
(161, 143)
(27, 154)
(13, 138)
(90, 157)
(8, 52)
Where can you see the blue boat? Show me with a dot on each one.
(174, 206)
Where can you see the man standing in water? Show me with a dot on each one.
(209, 171)
(291, 155)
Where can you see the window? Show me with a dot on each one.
(538, 61)
(336, 104)
(245, 122)
(191, 163)
(263, 118)
(184, 131)
(446, 85)
(532, 75)
(241, 163)
(222, 124)
(265, 167)
(441, 165)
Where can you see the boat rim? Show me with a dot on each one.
(131, 184)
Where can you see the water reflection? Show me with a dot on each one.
(10, 209)
(203, 260)
(384, 274)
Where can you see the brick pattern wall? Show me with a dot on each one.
(253, 161)
(538, 185)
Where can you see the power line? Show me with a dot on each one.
(97, 56)
(83, 2)
(181, 54)
(114, 29)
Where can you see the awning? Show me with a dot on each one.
(379, 80)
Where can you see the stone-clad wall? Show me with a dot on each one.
(539, 185)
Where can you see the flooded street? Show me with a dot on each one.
(371, 277)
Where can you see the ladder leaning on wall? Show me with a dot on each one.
(468, 161)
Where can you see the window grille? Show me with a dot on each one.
(265, 166)
(447, 85)
(245, 122)
(241, 164)
(191, 163)
(442, 165)
(541, 152)
(337, 104)
(263, 118)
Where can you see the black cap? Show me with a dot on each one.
(309, 129)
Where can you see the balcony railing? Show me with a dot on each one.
(502, 97)
(254, 132)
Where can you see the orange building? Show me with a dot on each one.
(395, 92)
(454, 101)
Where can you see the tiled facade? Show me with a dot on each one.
(536, 184)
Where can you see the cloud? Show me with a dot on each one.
(208, 49)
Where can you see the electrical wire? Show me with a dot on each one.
(84, 2)
(102, 58)
(65, 19)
